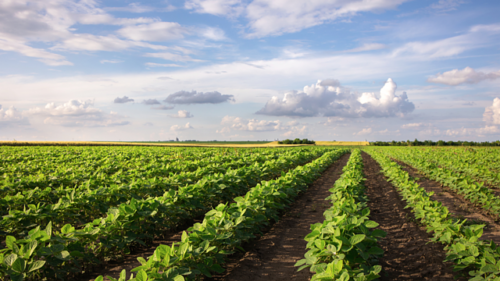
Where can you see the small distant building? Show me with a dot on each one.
(176, 139)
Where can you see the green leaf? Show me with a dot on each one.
(19, 265)
(344, 276)
(63, 255)
(357, 239)
(300, 262)
(375, 251)
(36, 265)
(489, 268)
(379, 233)
(99, 278)
(9, 241)
(10, 259)
(371, 224)
(141, 276)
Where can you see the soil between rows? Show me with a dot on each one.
(273, 255)
(408, 255)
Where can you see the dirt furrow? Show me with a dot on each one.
(408, 255)
(273, 255)
(456, 204)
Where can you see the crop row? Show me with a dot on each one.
(462, 184)
(78, 204)
(68, 250)
(205, 246)
(106, 171)
(462, 239)
(343, 247)
(477, 163)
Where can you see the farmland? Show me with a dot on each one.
(262, 213)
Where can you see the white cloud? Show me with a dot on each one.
(152, 64)
(156, 31)
(447, 5)
(240, 124)
(367, 47)
(492, 113)
(276, 17)
(213, 33)
(182, 114)
(494, 28)
(42, 55)
(327, 98)
(171, 56)
(11, 117)
(110, 61)
(181, 128)
(415, 126)
(229, 8)
(90, 42)
(365, 131)
(76, 113)
(466, 76)
(132, 8)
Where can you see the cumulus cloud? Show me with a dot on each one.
(181, 128)
(289, 129)
(11, 117)
(328, 98)
(151, 102)
(182, 114)
(185, 97)
(492, 113)
(162, 107)
(156, 31)
(465, 76)
(365, 131)
(125, 99)
(76, 113)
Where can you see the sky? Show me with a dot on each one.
(237, 70)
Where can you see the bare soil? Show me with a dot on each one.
(273, 255)
(456, 204)
(408, 253)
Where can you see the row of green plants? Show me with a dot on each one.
(205, 246)
(18, 179)
(86, 201)
(472, 256)
(460, 183)
(435, 143)
(344, 245)
(481, 164)
(66, 251)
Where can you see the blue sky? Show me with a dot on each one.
(250, 70)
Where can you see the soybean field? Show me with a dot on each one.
(286, 213)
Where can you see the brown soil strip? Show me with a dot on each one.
(130, 262)
(456, 204)
(273, 255)
(408, 253)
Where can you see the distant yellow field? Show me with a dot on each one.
(178, 144)
(174, 144)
